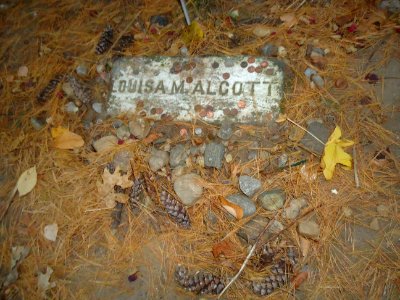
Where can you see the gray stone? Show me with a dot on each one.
(225, 131)
(37, 123)
(214, 84)
(293, 210)
(244, 202)
(139, 128)
(123, 132)
(178, 155)
(122, 160)
(249, 185)
(158, 159)
(105, 143)
(70, 107)
(310, 143)
(97, 107)
(276, 227)
(214, 155)
(272, 200)
(198, 131)
(269, 50)
(188, 188)
(309, 229)
(252, 229)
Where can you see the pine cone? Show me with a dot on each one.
(49, 89)
(116, 215)
(137, 193)
(175, 209)
(203, 283)
(280, 274)
(124, 42)
(81, 91)
(105, 41)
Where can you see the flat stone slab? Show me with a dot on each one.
(247, 89)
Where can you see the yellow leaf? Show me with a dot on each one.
(194, 32)
(27, 181)
(65, 139)
(334, 153)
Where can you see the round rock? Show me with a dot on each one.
(309, 229)
(188, 188)
(158, 159)
(178, 155)
(139, 128)
(272, 200)
(123, 132)
(244, 202)
(225, 131)
(105, 143)
(249, 185)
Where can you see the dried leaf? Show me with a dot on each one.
(151, 138)
(334, 153)
(226, 248)
(65, 139)
(116, 178)
(193, 33)
(299, 279)
(304, 246)
(233, 209)
(18, 254)
(106, 188)
(27, 181)
(281, 118)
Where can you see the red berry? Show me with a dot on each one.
(352, 27)
(120, 142)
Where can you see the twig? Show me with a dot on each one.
(298, 125)
(357, 180)
(185, 12)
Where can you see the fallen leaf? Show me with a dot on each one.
(281, 118)
(106, 188)
(65, 139)
(334, 153)
(18, 254)
(289, 20)
(193, 33)
(44, 283)
(116, 178)
(304, 246)
(151, 138)
(27, 181)
(299, 279)
(50, 232)
(225, 248)
(233, 209)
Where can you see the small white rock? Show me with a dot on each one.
(81, 70)
(23, 71)
(228, 157)
(50, 232)
(261, 31)
(70, 107)
(97, 107)
(100, 68)
(198, 131)
(282, 51)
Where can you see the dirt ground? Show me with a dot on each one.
(354, 255)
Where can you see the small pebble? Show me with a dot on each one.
(228, 158)
(67, 89)
(97, 107)
(269, 50)
(23, 71)
(261, 31)
(123, 132)
(160, 20)
(37, 123)
(100, 68)
(282, 160)
(249, 185)
(117, 123)
(198, 131)
(70, 107)
(139, 128)
(184, 51)
(178, 155)
(225, 131)
(213, 155)
(272, 200)
(158, 159)
(276, 227)
(347, 211)
(282, 52)
(81, 70)
(188, 188)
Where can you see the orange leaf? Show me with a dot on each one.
(299, 279)
(65, 139)
(151, 138)
(225, 248)
(233, 209)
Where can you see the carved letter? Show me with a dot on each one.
(140, 86)
(198, 88)
(131, 86)
(234, 88)
(160, 86)
(223, 92)
(208, 88)
(149, 86)
(177, 89)
(252, 86)
(122, 86)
